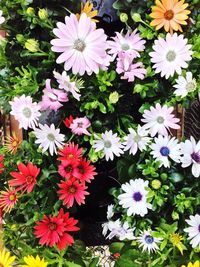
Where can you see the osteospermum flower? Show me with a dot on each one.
(71, 191)
(49, 138)
(148, 242)
(136, 139)
(25, 111)
(79, 46)
(2, 19)
(164, 148)
(8, 199)
(191, 155)
(170, 55)
(1, 163)
(88, 9)
(190, 264)
(84, 171)
(6, 260)
(79, 126)
(185, 85)
(66, 168)
(170, 14)
(66, 84)
(25, 178)
(70, 153)
(130, 44)
(34, 262)
(194, 230)
(12, 143)
(135, 197)
(159, 119)
(109, 144)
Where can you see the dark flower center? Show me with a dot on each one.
(80, 125)
(169, 14)
(72, 189)
(52, 226)
(196, 157)
(137, 196)
(149, 239)
(29, 179)
(79, 45)
(81, 169)
(164, 151)
(199, 228)
(68, 168)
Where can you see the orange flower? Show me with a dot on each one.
(12, 143)
(170, 14)
(8, 199)
(87, 8)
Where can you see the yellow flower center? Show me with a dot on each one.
(29, 179)
(14, 144)
(169, 14)
(72, 189)
(1, 265)
(12, 197)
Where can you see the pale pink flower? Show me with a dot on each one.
(159, 119)
(130, 43)
(170, 55)
(79, 126)
(52, 97)
(25, 111)
(82, 46)
(129, 70)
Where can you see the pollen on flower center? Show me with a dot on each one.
(164, 151)
(107, 144)
(160, 119)
(52, 226)
(171, 56)
(190, 87)
(125, 47)
(196, 157)
(70, 156)
(149, 239)
(29, 179)
(169, 14)
(12, 197)
(72, 189)
(51, 137)
(79, 45)
(68, 168)
(27, 112)
(137, 196)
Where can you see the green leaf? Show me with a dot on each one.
(116, 247)
(72, 264)
(94, 262)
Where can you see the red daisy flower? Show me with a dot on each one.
(66, 168)
(50, 230)
(70, 152)
(68, 121)
(84, 171)
(1, 163)
(25, 178)
(72, 190)
(67, 240)
(8, 199)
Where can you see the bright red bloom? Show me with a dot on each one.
(72, 190)
(68, 121)
(53, 230)
(84, 171)
(66, 168)
(1, 163)
(8, 199)
(70, 152)
(25, 178)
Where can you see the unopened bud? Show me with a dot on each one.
(32, 45)
(114, 97)
(43, 14)
(123, 17)
(156, 184)
(136, 17)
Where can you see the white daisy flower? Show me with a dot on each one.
(110, 145)
(65, 83)
(148, 242)
(49, 138)
(194, 230)
(25, 111)
(136, 140)
(135, 197)
(2, 19)
(159, 119)
(165, 148)
(185, 85)
(191, 155)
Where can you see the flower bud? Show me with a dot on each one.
(136, 17)
(114, 97)
(32, 45)
(156, 184)
(30, 11)
(123, 17)
(43, 14)
(20, 38)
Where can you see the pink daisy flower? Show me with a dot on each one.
(72, 190)
(130, 71)
(25, 111)
(66, 168)
(83, 47)
(52, 97)
(79, 126)
(170, 55)
(130, 43)
(159, 119)
(70, 153)
(8, 199)
(84, 171)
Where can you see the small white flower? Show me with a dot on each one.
(66, 84)
(165, 148)
(49, 138)
(25, 111)
(110, 211)
(110, 145)
(135, 197)
(148, 242)
(191, 155)
(185, 85)
(136, 140)
(194, 230)
(2, 19)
